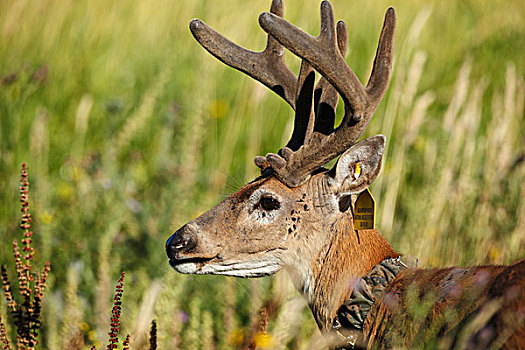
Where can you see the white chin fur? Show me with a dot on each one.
(242, 269)
(235, 269)
(186, 268)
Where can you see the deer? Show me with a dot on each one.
(299, 216)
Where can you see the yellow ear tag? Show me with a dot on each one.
(365, 211)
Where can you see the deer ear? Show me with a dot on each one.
(359, 165)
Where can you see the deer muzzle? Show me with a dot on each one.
(182, 250)
(182, 241)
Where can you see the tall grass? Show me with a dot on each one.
(130, 130)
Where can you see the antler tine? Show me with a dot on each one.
(267, 66)
(382, 68)
(304, 115)
(321, 52)
(326, 96)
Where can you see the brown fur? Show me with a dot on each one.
(475, 308)
(358, 251)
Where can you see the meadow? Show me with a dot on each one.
(130, 129)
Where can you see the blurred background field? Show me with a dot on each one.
(130, 129)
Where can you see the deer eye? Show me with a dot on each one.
(269, 203)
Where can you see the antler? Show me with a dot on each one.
(314, 141)
(322, 53)
(266, 66)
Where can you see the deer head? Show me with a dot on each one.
(297, 214)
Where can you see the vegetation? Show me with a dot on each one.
(25, 315)
(130, 130)
(31, 285)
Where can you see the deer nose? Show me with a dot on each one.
(179, 242)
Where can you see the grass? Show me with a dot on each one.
(130, 130)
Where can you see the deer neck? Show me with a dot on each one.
(342, 261)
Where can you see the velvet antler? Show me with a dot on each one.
(314, 141)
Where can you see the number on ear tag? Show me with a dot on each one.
(365, 211)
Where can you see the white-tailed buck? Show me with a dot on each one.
(300, 216)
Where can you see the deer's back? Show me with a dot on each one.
(474, 307)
